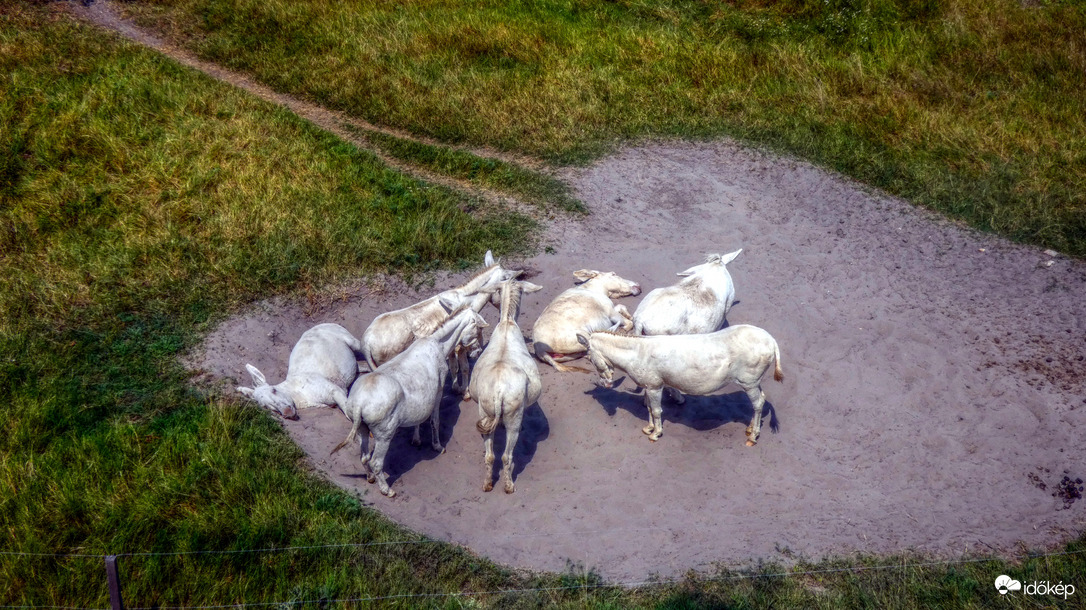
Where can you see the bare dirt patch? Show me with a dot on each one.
(934, 393)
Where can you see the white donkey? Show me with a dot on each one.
(699, 303)
(321, 367)
(505, 382)
(392, 332)
(585, 308)
(695, 364)
(406, 391)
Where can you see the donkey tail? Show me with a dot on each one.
(358, 423)
(563, 368)
(369, 360)
(488, 424)
(568, 368)
(778, 374)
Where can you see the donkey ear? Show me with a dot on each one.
(488, 260)
(688, 272)
(258, 377)
(530, 287)
(583, 275)
(727, 258)
(246, 391)
(447, 302)
(582, 339)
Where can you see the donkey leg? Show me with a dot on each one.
(648, 405)
(463, 373)
(380, 450)
(488, 461)
(757, 399)
(512, 433)
(367, 455)
(435, 426)
(653, 399)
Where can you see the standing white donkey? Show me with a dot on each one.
(695, 364)
(699, 303)
(406, 391)
(321, 367)
(586, 308)
(505, 382)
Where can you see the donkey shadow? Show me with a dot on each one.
(698, 412)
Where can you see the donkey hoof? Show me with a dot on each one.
(750, 443)
(416, 442)
(390, 493)
(489, 485)
(509, 488)
(648, 429)
(371, 478)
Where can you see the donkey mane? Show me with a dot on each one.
(511, 295)
(478, 276)
(616, 334)
(453, 313)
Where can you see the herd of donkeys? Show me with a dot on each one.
(673, 340)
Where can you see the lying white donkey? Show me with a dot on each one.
(406, 391)
(390, 333)
(695, 364)
(321, 367)
(505, 382)
(699, 303)
(584, 308)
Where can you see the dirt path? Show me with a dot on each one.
(935, 389)
(106, 15)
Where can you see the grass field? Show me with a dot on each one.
(975, 108)
(139, 204)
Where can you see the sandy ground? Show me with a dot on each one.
(935, 390)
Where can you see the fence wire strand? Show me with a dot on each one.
(587, 586)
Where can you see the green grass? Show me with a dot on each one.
(974, 108)
(139, 204)
(544, 191)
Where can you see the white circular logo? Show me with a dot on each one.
(1005, 583)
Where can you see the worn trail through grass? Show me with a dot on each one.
(381, 141)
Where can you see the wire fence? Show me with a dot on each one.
(117, 603)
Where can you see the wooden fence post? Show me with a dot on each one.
(114, 583)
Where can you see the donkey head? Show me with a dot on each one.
(603, 366)
(609, 282)
(269, 396)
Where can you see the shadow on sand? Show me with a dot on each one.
(699, 412)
